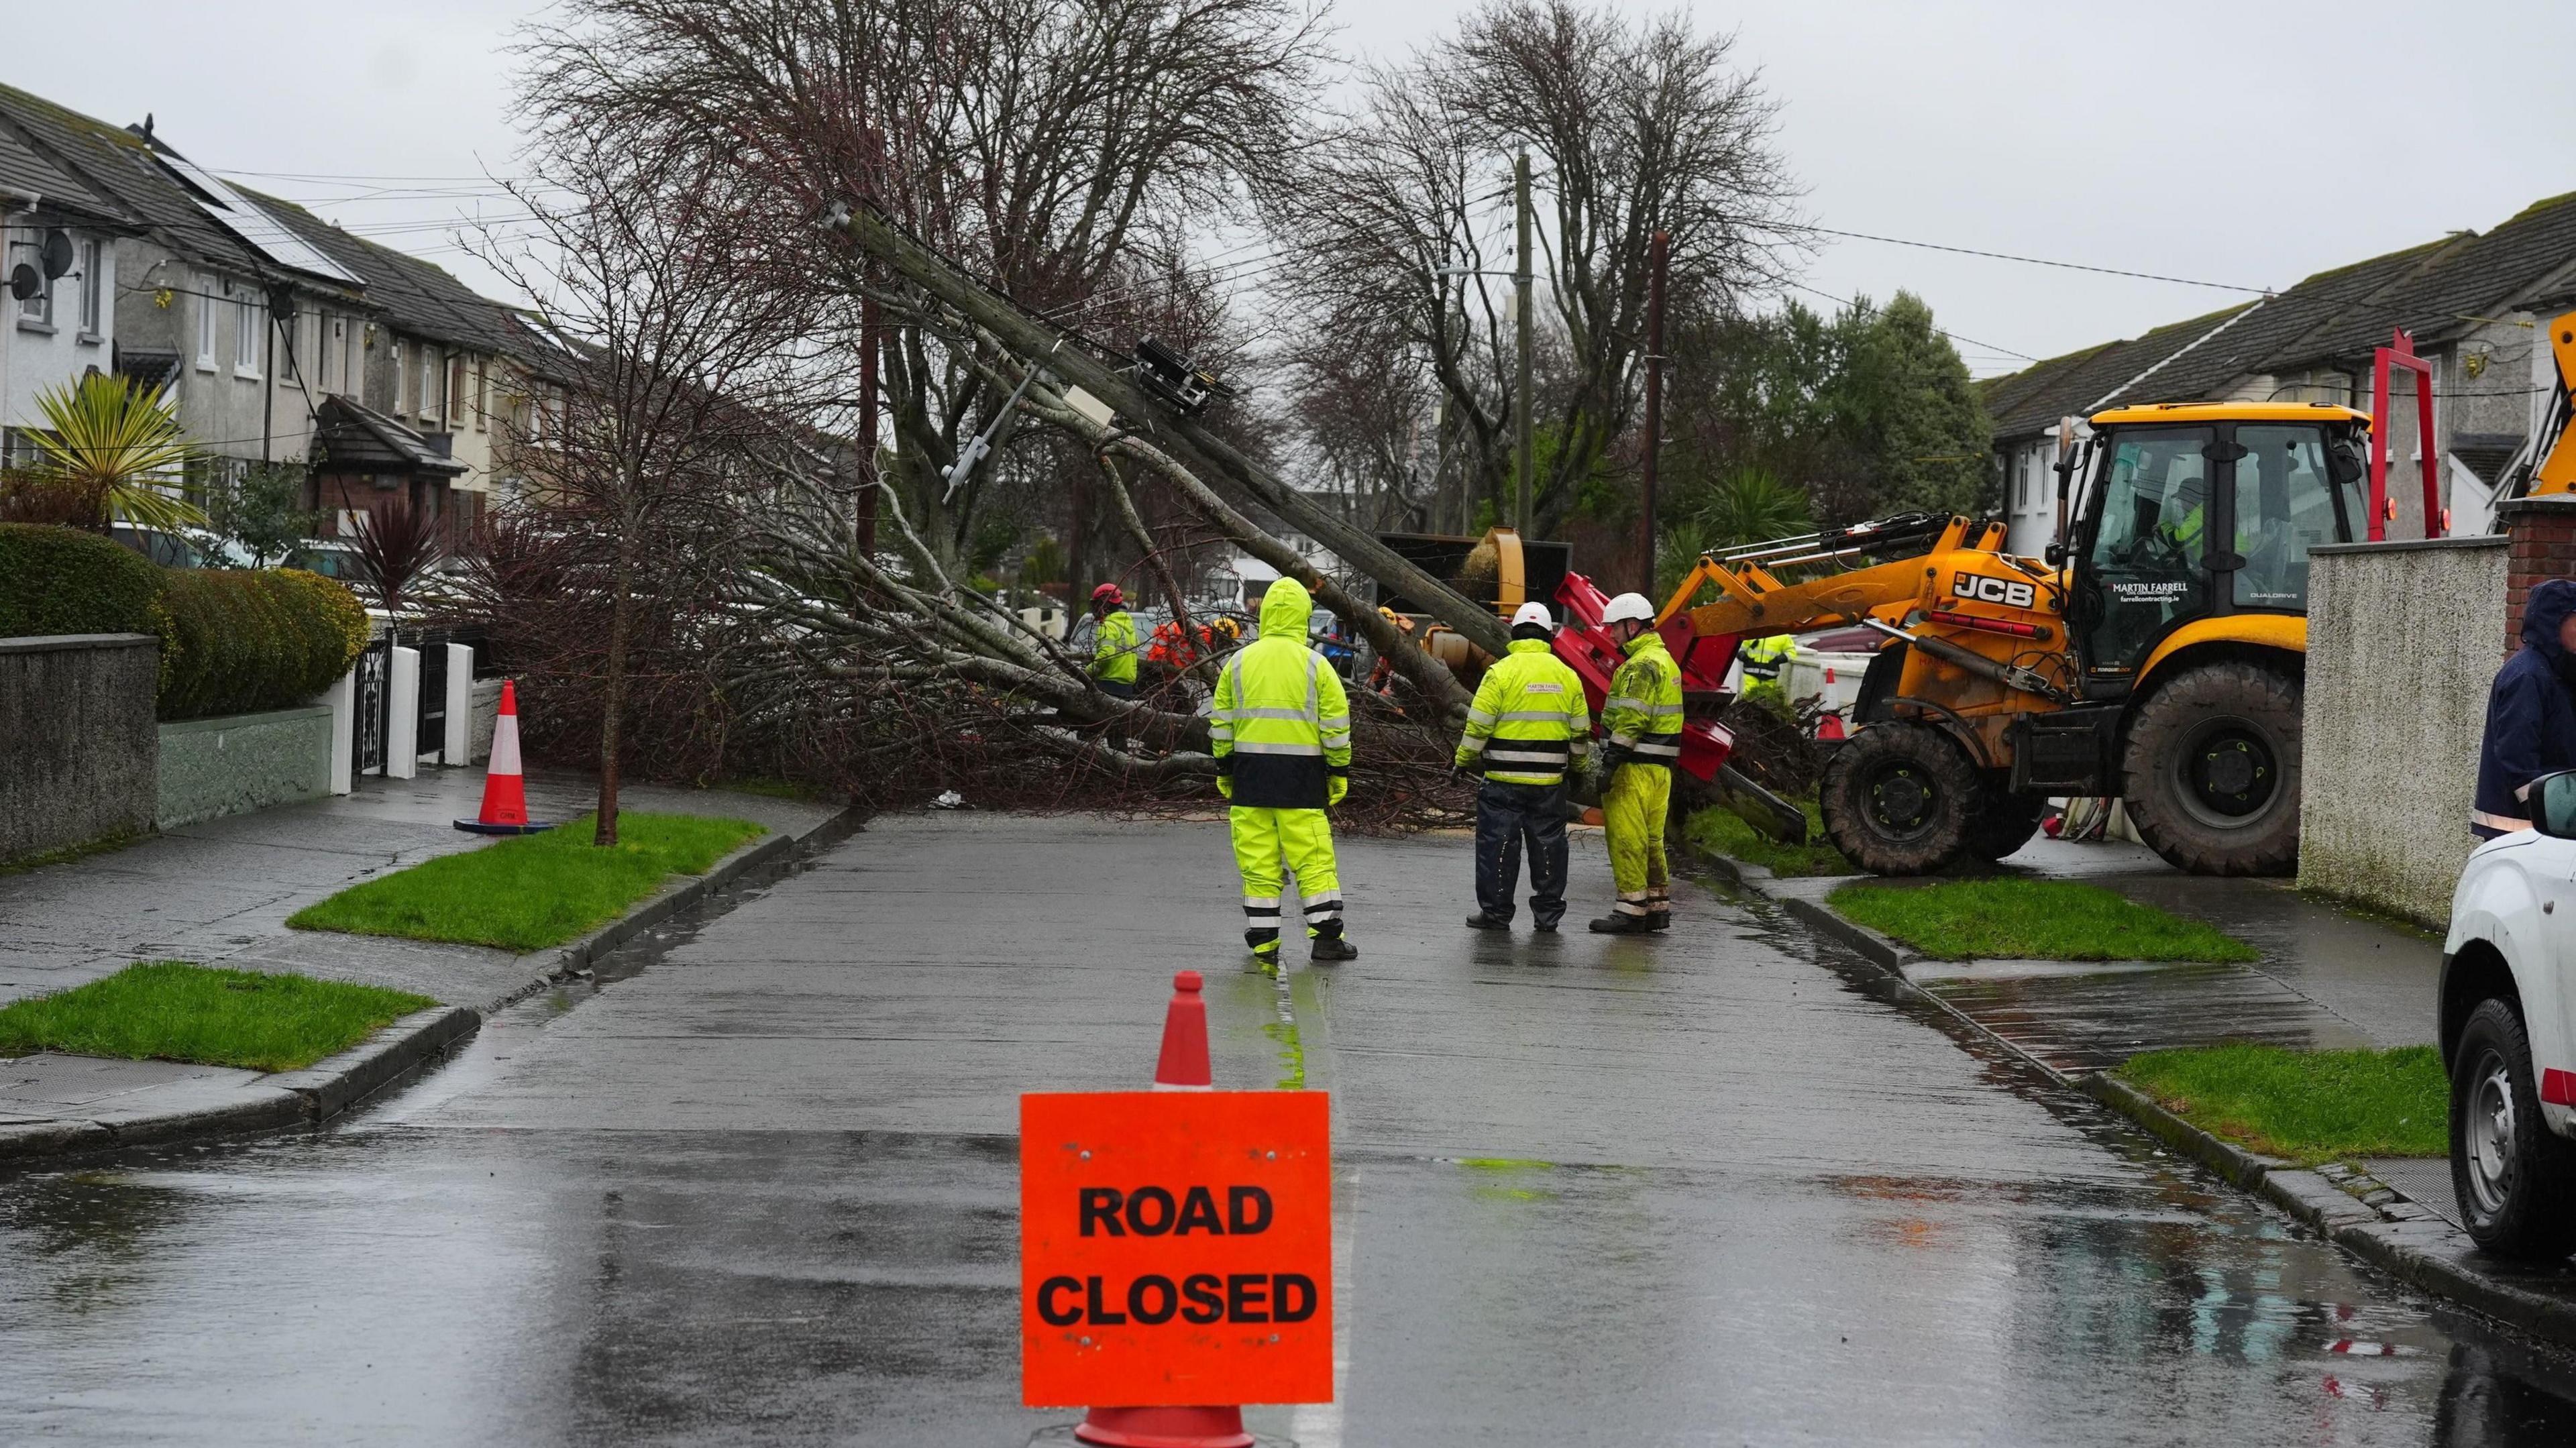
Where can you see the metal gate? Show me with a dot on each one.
(374, 701)
(433, 697)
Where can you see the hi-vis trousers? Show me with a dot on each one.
(1302, 839)
(1632, 814)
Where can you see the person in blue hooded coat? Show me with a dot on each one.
(2531, 712)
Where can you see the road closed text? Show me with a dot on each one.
(1175, 1248)
(1200, 1297)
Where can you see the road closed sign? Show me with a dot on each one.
(1175, 1248)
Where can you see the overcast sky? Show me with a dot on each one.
(2247, 143)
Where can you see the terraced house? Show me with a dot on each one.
(57, 278)
(2473, 303)
(286, 341)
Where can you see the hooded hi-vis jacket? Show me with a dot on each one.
(1529, 720)
(1113, 648)
(1643, 713)
(2531, 716)
(1281, 724)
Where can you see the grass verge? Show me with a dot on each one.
(2307, 1106)
(170, 1010)
(532, 891)
(2031, 920)
(1722, 831)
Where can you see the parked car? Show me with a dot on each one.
(2508, 1032)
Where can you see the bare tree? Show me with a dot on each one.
(1401, 210)
(677, 365)
(1063, 149)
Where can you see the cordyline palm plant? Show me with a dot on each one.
(396, 544)
(103, 448)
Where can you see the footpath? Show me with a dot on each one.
(2328, 979)
(219, 893)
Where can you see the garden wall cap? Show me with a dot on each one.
(66, 643)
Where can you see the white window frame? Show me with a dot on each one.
(398, 350)
(93, 318)
(249, 336)
(36, 313)
(206, 314)
(429, 369)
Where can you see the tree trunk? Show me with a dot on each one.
(621, 622)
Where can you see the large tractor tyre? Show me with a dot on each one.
(2004, 821)
(1898, 798)
(2212, 772)
(2514, 1179)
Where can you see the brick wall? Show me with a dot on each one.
(2542, 544)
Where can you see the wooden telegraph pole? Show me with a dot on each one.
(1660, 256)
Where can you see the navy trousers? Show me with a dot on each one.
(1509, 817)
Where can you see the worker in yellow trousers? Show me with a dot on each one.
(1280, 729)
(1642, 718)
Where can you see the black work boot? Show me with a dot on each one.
(1659, 920)
(1619, 924)
(1334, 947)
(1482, 921)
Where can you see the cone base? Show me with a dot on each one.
(1164, 1428)
(480, 827)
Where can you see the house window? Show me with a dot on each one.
(349, 380)
(482, 394)
(428, 383)
(455, 390)
(38, 310)
(398, 349)
(246, 338)
(92, 283)
(206, 322)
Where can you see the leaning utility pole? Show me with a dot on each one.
(868, 481)
(1527, 461)
(1195, 446)
(1660, 255)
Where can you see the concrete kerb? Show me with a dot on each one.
(2400, 1237)
(771, 850)
(329, 1087)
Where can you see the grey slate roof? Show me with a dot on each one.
(25, 174)
(117, 165)
(2436, 290)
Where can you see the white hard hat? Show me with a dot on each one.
(1532, 613)
(1628, 606)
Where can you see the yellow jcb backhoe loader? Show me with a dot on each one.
(2156, 654)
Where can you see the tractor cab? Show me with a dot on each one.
(2192, 523)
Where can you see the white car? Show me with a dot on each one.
(2508, 1032)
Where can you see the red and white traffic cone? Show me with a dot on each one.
(505, 790)
(1182, 1067)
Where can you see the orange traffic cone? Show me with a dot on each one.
(1183, 1067)
(1829, 726)
(505, 791)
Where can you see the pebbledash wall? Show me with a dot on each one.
(2401, 650)
(243, 762)
(78, 751)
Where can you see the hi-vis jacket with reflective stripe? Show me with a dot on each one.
(1529, 719)
(1643, 715)
(1281, 723)
(1113, 650)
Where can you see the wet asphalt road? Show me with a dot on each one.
(1702, 1189)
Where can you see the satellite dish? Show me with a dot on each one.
(57, 253)
(25, 281)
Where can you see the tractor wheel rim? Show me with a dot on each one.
(1901, 800)
(2489, 1149)
(2229, 774)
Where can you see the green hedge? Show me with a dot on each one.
(233, 641)
(64, 581)
(237, 641)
